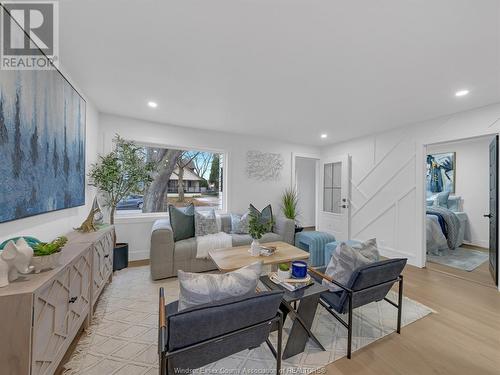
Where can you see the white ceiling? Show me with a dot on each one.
(289, 69)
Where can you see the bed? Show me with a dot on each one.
(445, 227)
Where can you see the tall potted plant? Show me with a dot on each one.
(122, 172)
(289, 206)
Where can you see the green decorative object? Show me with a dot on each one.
(284, 267)
(49, 248)
(120, 173)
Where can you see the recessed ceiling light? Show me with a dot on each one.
(324, 136)
(461, 92)
(153, 104)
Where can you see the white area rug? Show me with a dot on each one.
(123, 336)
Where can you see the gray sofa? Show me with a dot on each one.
(167, 256)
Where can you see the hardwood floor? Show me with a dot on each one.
(462, 337)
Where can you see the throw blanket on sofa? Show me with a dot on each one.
(209, 242)
(452, 225)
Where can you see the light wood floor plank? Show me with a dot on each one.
(462, 337)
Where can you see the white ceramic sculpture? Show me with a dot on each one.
(14, 259)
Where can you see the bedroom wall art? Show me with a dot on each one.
(441, 170)
(42, 144)
(264, 166)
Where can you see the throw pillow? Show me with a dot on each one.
(200, 288)
(239, 223)
(265, 216)
(205, 223)
(346, 259)
(182, 221)
(442, 199)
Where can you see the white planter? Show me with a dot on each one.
(283, 275)
(46, 262)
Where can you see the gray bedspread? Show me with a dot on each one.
(452, 225)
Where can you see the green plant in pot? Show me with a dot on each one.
(122, 172)
(46, 254)
(289, 206)
(257, 227)
(284, 271)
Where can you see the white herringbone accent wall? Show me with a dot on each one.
(387, 179)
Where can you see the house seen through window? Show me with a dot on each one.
(181, 177)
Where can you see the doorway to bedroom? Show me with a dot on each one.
(460, 208)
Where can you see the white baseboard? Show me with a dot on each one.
(138, 255)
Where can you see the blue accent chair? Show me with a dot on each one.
(194, 337)
(367, 284)
(314, 243)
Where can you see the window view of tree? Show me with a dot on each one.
(181, 177)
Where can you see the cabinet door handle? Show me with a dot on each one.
(73, 299)
(106, 256)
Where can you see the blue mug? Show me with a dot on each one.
(299, 269)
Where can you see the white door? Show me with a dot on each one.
(335, 197)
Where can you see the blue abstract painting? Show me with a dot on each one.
(42, 144)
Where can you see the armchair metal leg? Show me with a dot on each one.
(349, 328)
(280, 339)
(400, 302)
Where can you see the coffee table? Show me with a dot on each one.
(303, 317)
(236, 257)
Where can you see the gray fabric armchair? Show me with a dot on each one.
(168, 256)
(195, 337)
(367, 284)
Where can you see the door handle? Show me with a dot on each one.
(106, 256)
(487, 215)
(73, 299)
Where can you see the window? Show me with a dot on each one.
(332, 188)
(181, 177)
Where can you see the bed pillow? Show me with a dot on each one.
(182, 221)
(239, 223)
(205, 223)
(201, 288)
(346, 259)
(442, 199)
(454, 203)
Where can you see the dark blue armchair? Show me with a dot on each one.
(369, 283)
(192, 338)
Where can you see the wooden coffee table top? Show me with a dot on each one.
(233, 258)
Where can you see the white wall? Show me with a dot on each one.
(50, 225)
(471, 183)
(305, 179)
(241, 190)
(387, 178)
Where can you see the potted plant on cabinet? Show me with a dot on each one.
(289, 206)
(122, 172)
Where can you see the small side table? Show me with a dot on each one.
(302, 317)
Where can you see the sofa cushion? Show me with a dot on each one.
(239, 223)
(265, 216)
(197, 289)
(246, 239)
(205, 223)
(185, 249)
(182, 221)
